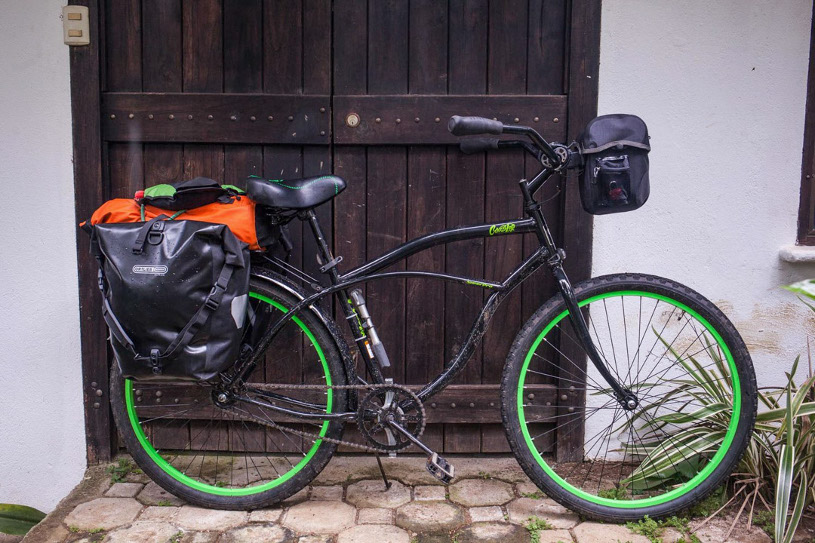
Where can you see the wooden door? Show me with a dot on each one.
(170, 89)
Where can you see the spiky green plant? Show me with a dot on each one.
(778, 467)
(18, 519)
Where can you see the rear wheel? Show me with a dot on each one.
(220, 455)
(680, 356)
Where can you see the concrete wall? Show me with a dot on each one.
(42, 432)
(722, 88)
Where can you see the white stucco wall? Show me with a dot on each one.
(722, 88)
(42, 433)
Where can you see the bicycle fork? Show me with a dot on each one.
(627, 399)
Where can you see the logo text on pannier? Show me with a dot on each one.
(507, 228)
(151, 270)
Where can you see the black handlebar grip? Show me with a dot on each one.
(477, 145)
(472, 126)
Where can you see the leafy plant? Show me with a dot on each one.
(121, 469)
(535, 525)
(537, 495)
(647, 527)
(18, 519)
(164, 503)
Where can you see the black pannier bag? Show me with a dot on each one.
(615, 151)
(175, 296)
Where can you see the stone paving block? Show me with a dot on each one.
(559, 536)
(375, 515)
(298, 497)
(154, 494)
(267, 533)
(429, 516)
(105, 513)
(265, 515)
(558, 516)
(205, 520)
(491, 513)
(372, 493)
(476, 492)
(8, 538)
(124, 490)
(146, 530)
(199, 537)
(594, 532)
(527, 490)
(491, 532)
(374, 533)
(326, 493)
(155, 512)
(320, 517)
(434, 493)
(315, 539)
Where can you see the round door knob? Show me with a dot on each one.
(352, 120)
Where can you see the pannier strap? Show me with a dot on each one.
(184, 337)
(609, 145)
(145, 230)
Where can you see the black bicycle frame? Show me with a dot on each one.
(548, 253)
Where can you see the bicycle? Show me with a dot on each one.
(660, 384)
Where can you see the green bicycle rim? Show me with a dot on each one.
(677, 492)
(210, 489)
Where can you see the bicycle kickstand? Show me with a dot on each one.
(382, 471)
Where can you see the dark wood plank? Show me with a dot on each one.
(426, 198)
(215, 118)
(282, 46)
(468, 47)
(161, 45)
(507, 52)
(584, 61)
(203, 46)
(163, 163)
(386, 202)
(123, 55)
(465, 202)
(350, 66)
(241, 161)
(387, 47)
(125, 169)
(424, 359)
(88, 193)
(546, 47)
(317, 37)
(243, 45)
(204, 160)
(397, 116)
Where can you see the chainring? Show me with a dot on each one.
(390, 403)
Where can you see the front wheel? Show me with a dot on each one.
(676, 352)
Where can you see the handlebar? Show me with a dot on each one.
(472, 126)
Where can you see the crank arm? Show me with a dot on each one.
(626, 398)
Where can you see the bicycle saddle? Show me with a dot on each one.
(302, 193)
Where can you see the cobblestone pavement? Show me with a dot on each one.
(491, 500)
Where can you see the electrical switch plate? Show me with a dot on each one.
(75, 25)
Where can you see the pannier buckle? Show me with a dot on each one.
(210, 302)
(154, 362)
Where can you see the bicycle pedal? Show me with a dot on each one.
(440, 468)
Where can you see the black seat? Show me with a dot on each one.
(294, 193)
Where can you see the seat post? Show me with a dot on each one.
(325, 251)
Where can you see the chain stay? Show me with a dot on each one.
(315, 437)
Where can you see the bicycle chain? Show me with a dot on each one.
(314, 436)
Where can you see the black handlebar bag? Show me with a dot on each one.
(615, 151)
(175, 296)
